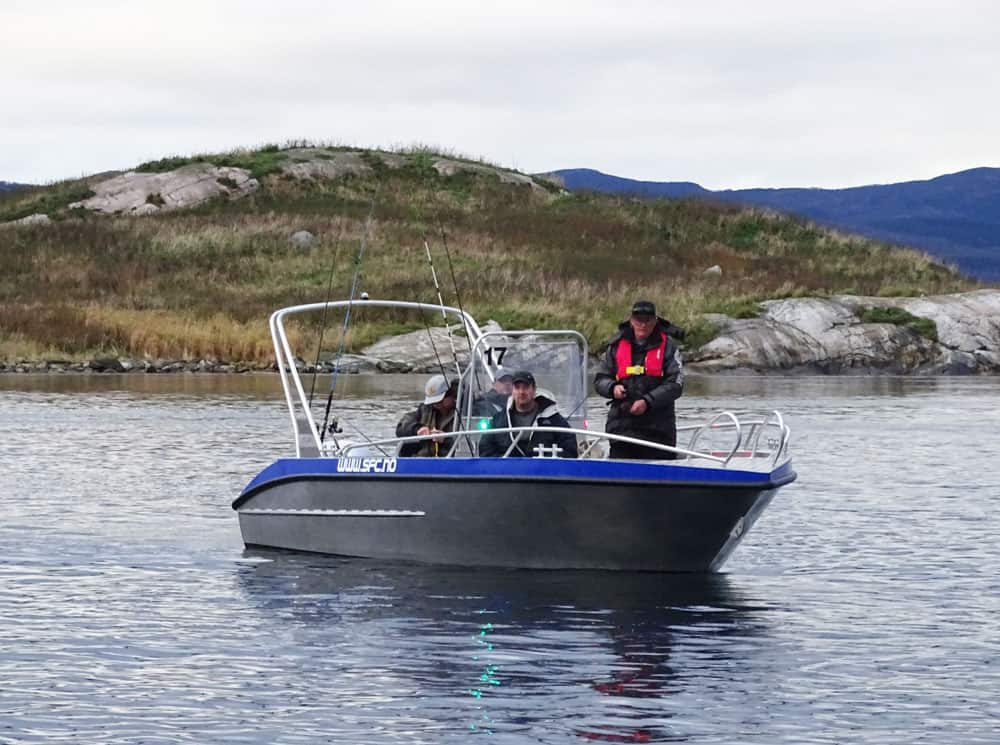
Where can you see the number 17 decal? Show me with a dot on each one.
(497, 353)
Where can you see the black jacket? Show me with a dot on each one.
(659, 392)
(489, 403)
(494, 445)
(425, 415)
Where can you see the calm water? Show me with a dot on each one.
(863, 607)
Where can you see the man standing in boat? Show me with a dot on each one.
(642, 375)
(436, 415)
(529, 408)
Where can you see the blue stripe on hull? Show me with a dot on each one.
(507, 469)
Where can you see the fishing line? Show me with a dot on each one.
(347, 316)
(369, 440)
(454, 281)
(444, 315)
(430, 338)
(326, 308)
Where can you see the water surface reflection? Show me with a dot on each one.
(595, 654)
(864, 607)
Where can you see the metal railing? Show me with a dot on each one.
(291, 383)
(755, 428)
(590, 437)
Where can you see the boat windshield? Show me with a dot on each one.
(556, 359)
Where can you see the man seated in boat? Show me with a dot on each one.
(436, 415)
(529, 407)
(496, 398)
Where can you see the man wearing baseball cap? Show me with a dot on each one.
(529, 407)
(435, 415)
(642, 375)
(495, 399)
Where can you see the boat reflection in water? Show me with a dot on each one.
(603, 656)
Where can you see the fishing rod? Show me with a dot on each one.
(347, 320)
(444, 315)
(326, 308)
(454, 281)
(430, 338)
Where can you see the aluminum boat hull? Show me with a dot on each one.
(512, 512)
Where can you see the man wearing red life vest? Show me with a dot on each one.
(642, 375)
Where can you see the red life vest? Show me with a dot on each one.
(653, 362)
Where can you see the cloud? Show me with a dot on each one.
(727, 94)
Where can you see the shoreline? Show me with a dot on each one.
(947, 336)
(122, 366)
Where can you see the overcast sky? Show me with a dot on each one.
(727, 94)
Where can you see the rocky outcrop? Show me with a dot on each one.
(144, 193)
(416, 352)
(449, 167)
(140, 193)
(317, 163)
(828, 335)
(37, 219)
(313, 163)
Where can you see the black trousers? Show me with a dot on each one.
(628, 451)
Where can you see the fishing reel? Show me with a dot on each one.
(333, 428)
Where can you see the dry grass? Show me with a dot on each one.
(201, 283)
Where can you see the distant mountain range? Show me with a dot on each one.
(9, 186)
(955, 218)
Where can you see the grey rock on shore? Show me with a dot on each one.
(416, 352)
(188, 186)
(827, 335)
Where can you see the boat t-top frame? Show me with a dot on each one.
(763, 440)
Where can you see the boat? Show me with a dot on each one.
(351, 496)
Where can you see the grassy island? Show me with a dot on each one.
(199, 282)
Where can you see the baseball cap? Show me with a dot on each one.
(523, 376)
(436, 389)
(643, 308)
